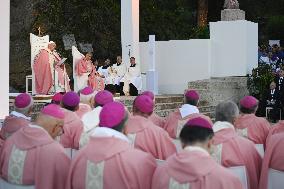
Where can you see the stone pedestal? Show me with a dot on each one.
(233, 14)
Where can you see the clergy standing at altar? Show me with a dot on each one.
(49, 75)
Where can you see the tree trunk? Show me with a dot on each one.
(202, 13)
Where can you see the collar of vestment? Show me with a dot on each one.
(220, 125)
(20, 115)
(196, 149)
(107, 132)
(187, 110)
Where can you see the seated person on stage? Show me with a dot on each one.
(96, 81)
(193, 167)
(86, 96)
(108, 161)
(157, 120)
(83, 68)
(248, 124)
(176, 120)
(272, 99)
(231, 150)
(116, 72)
(18, 118)
(131, 83)
(91, 119)
(56, 98)
(31, 156)
(273, 158)
(49, 76)
(73, 126)
(104, 70)
(145, 135)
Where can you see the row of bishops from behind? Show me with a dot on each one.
(115, 148)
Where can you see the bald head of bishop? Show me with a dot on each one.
(51, 118)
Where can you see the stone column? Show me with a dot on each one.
(152, 74)
(130, 30)
(4, 54)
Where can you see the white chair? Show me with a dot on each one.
(68, 152)
(28, 79)
(275, 179)
(6, 185)
(240, 172)
(260, 149)
(177, 144)
(159, 161)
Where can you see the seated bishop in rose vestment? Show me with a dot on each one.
(157, 120)
(231, 150)
(83, 68)
(73, 126)
(49, 75)
(193, 167)
(248, 124)
(86, 97)
(176, 120)
(273, 158)
(108, 161)
(144, 134)
(31, 156)
(91, 119)
(18, 118)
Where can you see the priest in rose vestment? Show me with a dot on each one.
(231, 150)
(31, 156)
(108, 161)
(49, 76)
(273, 158)
(145, 135)
(86, 97)
(91, 119)
(131, 83)
(83, 69)
(73, 126)
(248, 124)
(193, 168)
(176, 120)
(96, 80)
(18, 118)
(157, 120)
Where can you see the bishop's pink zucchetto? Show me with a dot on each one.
(23, 100)
(144, 104)
(53, 110)
(71, 99)
(199, 122)
(112, 114)
(192, 95)
(248, 102)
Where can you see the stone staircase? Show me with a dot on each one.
(212, 91)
